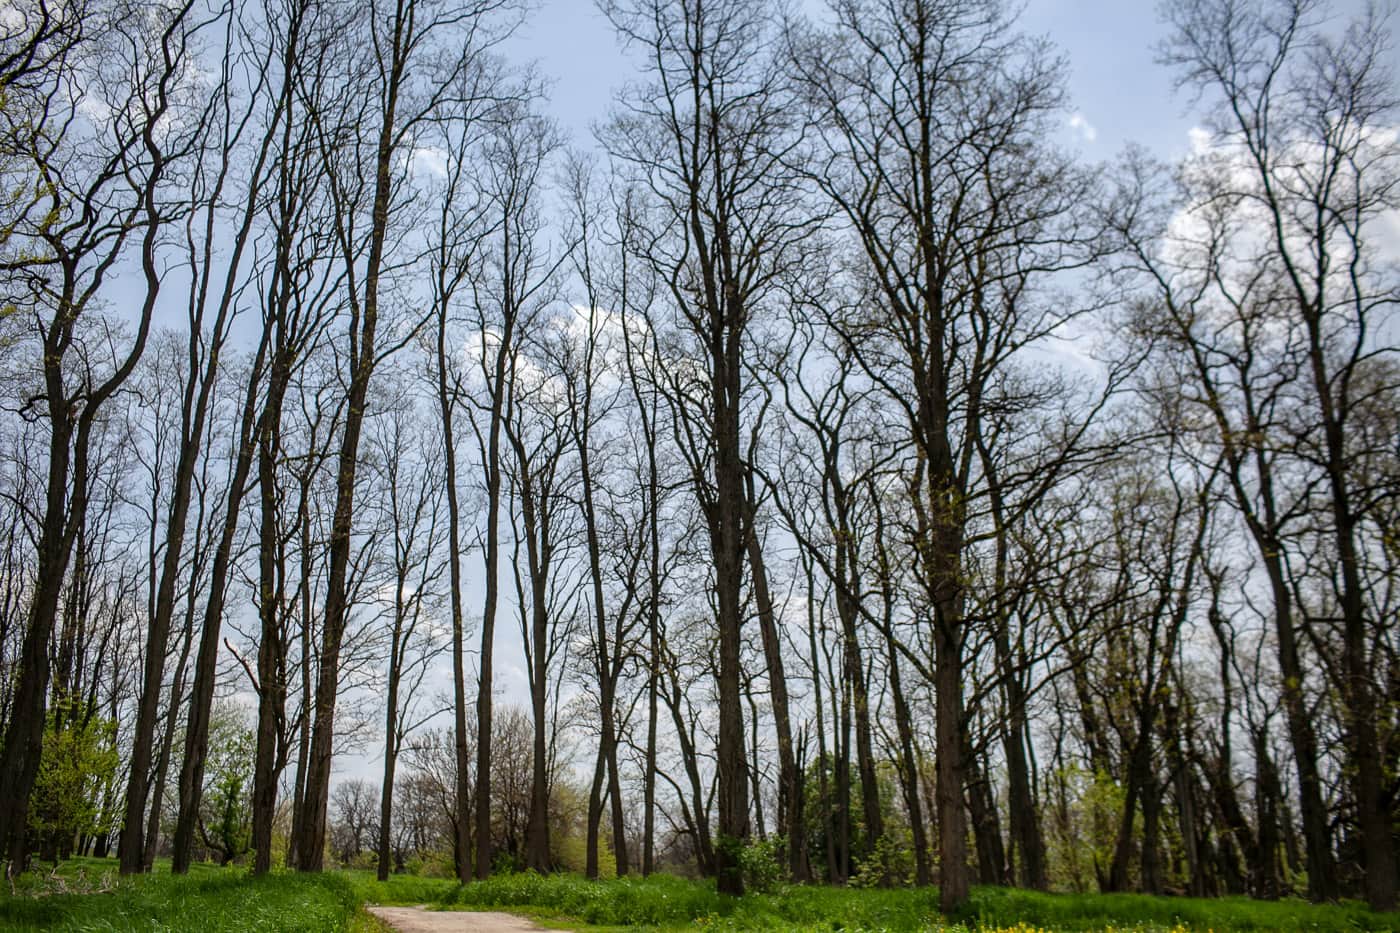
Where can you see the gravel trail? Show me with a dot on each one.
(418, 920)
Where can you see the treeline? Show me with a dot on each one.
(879, 492)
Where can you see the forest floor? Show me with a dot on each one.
(86, 895)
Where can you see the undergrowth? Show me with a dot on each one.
(86, 896)
(665, 902)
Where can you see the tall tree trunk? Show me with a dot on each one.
(491, 585)
(986, 825)
(392, 739)
(791, 819)
(607, 674)
(909, 766)
(271, 691)
(536, 521)
(461, 825)
(311, 845)
(1317, 846)
(727, 544)
(206, 660)
(306, 677)
(833, 873)
(595, 815)
(1359, 690)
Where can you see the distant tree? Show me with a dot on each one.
(353, 822)
(226, 820)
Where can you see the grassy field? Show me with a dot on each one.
(666, 903)
(86, 896)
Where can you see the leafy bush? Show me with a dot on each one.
(762, 864)
(890, 865)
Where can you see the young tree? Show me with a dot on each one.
(509, 288)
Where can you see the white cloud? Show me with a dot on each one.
(1081, 125)
(431, 159)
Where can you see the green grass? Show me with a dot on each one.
(668, 903)
(213, 899)
(208, 899)
(399, 889)
(1001, 907)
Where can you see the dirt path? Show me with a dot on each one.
(418, 920)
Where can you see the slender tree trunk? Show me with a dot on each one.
(461, 780)
(791, 820)
(304, 720)
(842, 716)
(1151, 836)
(986, 825)
(392, 741)
(1136, 780)
(311, 845)
(607, 675)
(206, 660)
(1264, 867)
(1322, 876)
(272, 691)
(491, 584)
(595, 815)
(690, 761)
(536, 520)
(852, 659)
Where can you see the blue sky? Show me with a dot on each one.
(1116, 87)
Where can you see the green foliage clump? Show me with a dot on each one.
(226, 820)
(761, 861)
(890, 863)
(1083, 825)
(79, 760)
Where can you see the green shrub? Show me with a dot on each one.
(762, 864)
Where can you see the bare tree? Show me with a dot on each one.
(211, 317)
(414, 518)
(1262, 287)
(706, 139)
(106, 180)
(404, 76)
(930, 112)
(508, 290)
